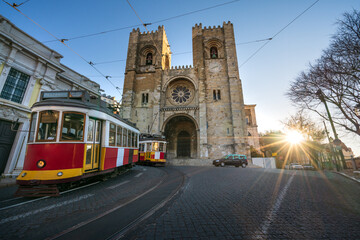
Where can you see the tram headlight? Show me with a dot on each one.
(23, 175)
(60, 174)
(41, 163)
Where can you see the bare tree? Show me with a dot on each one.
(336, 74)
(304, 124)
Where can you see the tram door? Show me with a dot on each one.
(93, 145)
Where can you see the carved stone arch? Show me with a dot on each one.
(181, 132)
(165, 86)
(148, 49)
(180, 115)
(214, 43)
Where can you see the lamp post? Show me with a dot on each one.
(337, 141)
(333, 153)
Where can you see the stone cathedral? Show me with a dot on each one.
(199, 109)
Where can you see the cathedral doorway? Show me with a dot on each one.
(181, 135)
(183, 144)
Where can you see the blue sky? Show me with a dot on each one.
(265, 77)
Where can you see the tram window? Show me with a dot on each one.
(48, 125)
(32, 127)
(161, 147)
(124, 137)
(97, 133)
(129, 139)
(148, 147)
(142, 147)
(90, 137)
(72, 127)
(112, 134)
(119, 136)
(136, 140)
(155, 146)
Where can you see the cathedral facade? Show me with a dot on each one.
(199, 109)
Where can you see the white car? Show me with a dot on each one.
(295, 166)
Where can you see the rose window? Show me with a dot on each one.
(180, 94)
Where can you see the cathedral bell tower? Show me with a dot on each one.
(214, 55)
(148, 55)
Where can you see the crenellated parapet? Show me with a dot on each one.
(181, 67)
(198, 27)
(160, 30)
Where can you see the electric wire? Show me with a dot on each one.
(261, 47)
(18, 5)
(138, 25)
(181, 53)
(145, 24)
(63, 42)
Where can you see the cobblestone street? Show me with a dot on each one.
(232, 203)
(193, 203)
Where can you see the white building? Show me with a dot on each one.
(111, 101)
(27, 67)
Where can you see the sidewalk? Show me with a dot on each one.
(349, 173)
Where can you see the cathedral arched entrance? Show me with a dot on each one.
(183, 144)
(181, 135)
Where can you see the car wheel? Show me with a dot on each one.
(222, 164)
(243, 165)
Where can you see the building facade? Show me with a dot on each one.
(27, 67)
(199, 109)
(252, 127)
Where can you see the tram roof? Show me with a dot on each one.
(85, 101)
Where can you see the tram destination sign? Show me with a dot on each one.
(47, 95)
(79, 95)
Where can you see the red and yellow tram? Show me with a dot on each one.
(72, 137)
(152, 150)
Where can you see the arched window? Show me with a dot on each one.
(213, 52)
(149, 59)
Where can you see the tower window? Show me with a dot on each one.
(216, 95)
(145, 98)
(149, 59)
(213, 52)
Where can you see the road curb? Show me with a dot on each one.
(347, 176)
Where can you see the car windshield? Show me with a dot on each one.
(227, 156)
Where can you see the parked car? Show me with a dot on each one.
(296, 166)
(308, 167)
(236, 160)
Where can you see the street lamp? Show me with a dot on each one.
(337, 141)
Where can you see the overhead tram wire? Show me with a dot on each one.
(18, 5)
(145, 24)
(138, 25)
(298, 16)
(180, 53)
(63, 42)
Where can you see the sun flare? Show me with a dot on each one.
(294, 137)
